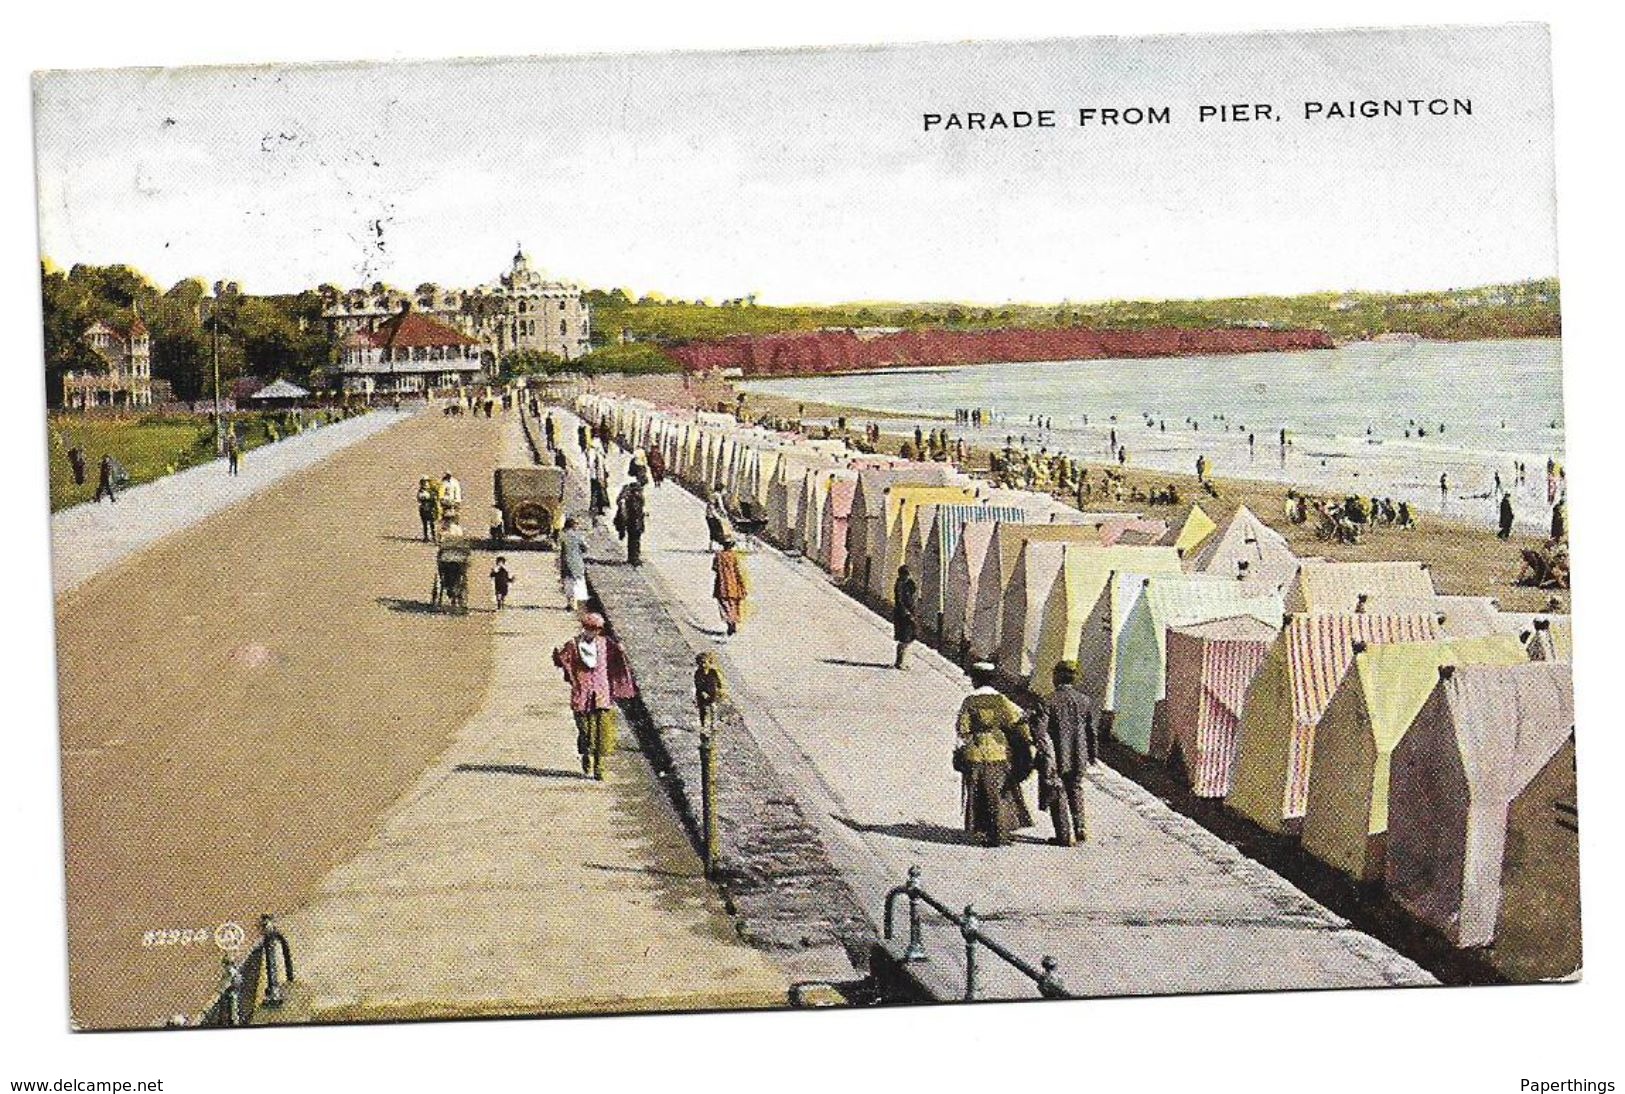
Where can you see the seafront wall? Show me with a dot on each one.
(848, 351)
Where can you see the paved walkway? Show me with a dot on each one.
(505, 883)
(1152, 904)
(96, 536)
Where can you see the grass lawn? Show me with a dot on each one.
(149, 447)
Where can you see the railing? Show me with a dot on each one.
(238, 997)
(970, 928)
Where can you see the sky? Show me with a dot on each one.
(810, 176)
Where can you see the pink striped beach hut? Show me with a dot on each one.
(1210, 667)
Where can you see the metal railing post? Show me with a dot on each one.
(1049, 985)
(231, 985)
(969, 927)
(708, 798)
(915, 952)
(270, 940)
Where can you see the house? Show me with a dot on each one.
(409, 354)
(127, 381)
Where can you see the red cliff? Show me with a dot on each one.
(844, 351)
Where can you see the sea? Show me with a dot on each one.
(1382, 418)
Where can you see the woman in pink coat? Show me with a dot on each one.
(594, 665)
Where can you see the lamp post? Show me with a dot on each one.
(214, 326)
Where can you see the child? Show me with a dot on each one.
(709, 689)
(501, 580)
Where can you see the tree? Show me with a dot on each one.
(529, 362)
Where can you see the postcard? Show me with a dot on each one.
(826, 528)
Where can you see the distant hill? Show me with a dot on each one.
(1522, 310)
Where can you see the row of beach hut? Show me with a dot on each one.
(1397, 732)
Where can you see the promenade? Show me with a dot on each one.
(504, 882)
(91, 538)
(1151, 904)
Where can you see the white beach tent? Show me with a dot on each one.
(1483, 735)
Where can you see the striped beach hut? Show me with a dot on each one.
(1345, 822)
(1288, 697)
(1140, 682)
(1482, 736)
(1210, 666)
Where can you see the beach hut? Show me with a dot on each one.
(1140, 680)
(1078, 618)
(1248, 550)
(1209, 669)
(1190, 531)
(1025, 597)
(1482, 737)
(959, 588)
(937, 528)
(1003, 553)
(903, 503)
(1345, 822)
(1322, 587)
(1538, 931)
(1133, 531)
(832, 526)
(866, 524)
(1288, 697)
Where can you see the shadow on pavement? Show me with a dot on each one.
(915, 830)
(858, 664)
(519, 769)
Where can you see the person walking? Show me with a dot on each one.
(1066, 744)
(719, 529)
(905, 598)
(429, 509)
(76, 463)
(233, 452)
(1505, 531)
(594, 666)
(709, 688)
(501, 581)
(729, 587)
(598, 485)
(107, 480)
(550, 428)
(986, 724)
(573, 565)
(629, 520)
(657, 465)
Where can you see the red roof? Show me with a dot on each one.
(409, 330)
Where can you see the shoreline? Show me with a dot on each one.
(1466, 559)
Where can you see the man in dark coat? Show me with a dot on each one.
(1066, 746)
(629, 521)
(1506, 517)
(905, 598)
(107, 480)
